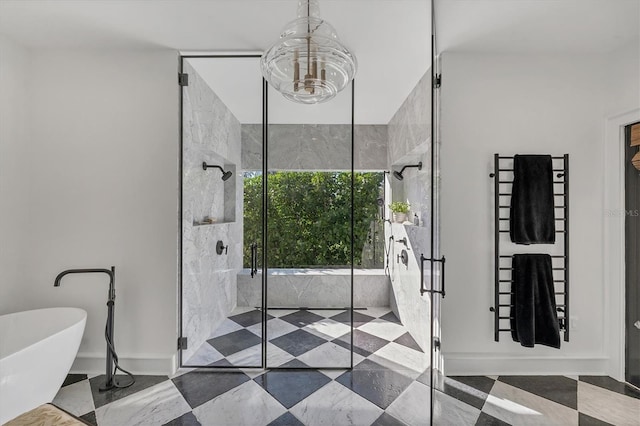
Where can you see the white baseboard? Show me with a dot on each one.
(486, 364)
(94, 363)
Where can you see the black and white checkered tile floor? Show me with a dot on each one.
(388, 385)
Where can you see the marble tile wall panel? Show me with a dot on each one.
(315, 147)
(410, 127)
(413, 310)
(313, 290)
(211, 134)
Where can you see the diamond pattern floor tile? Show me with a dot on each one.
(291, 387)
(298, 342)
(374, 382)
(560, 389)
(234, 342)
(363, 343)
(301, 318)
(200, 386)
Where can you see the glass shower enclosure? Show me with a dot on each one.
(266, 256)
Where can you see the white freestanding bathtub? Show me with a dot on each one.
(37, 349)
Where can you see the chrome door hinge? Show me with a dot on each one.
(182, 343)
(437, 81)
(183, 79)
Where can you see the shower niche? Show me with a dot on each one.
(214, 187)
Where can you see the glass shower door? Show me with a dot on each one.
(221, 212)
(309, 233)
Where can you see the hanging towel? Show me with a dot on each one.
(532, 215)
(534, 319)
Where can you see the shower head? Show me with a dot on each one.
(225, 175)
(398, 175)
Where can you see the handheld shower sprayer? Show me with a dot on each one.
(112, 357)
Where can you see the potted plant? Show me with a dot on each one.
(399, 210)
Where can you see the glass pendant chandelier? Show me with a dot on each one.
(308, 64)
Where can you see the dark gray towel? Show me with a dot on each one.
(532, 215)
(534, 319)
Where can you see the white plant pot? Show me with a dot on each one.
(399, 217)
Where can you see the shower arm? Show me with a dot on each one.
(206, 166)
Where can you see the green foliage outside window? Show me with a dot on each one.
(310, 219)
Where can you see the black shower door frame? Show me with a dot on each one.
(264, 268)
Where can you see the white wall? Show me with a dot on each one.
(512, 104)
(102, 184)
(14, 63)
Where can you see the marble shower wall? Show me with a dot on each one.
(315, 288)
(209, 281)
(409, 134)
(315, 147)
(409, 143)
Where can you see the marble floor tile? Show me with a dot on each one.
(205, 355)
(153, 406)
(275, 328)
(402, 359)
(290, 387)
(327, 329)
(90, 418)
(187, 419)
(200, 386)
(391, 317)
(227, 326)
(327, 313)
(329, 354)
(612, 385)
(560, 389)
(387, 419)
(276, 356)
(249, 318)
(519, 407)
(407, 340)
(385, 329)
(301, 318)
(376, 311)
(487, 420)
(335, 405)
(608, 406)
(459, 388)
(234, 342)
(245, 405)
(363, 343)
(412, 408)
(74, 378)
(584, 420)
(287, 419)
(103, 398)
(250, 357)
(375, 383)
(298, 342)
(278, 313)
(359, 318)
(75, 398)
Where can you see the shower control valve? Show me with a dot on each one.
(220, 247)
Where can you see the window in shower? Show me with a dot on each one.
(307, 209)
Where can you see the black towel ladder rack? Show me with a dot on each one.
(503, 179)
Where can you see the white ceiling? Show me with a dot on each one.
(536, 26)
(391, 38)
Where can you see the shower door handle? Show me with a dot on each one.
(254, 259)
(423, 290)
